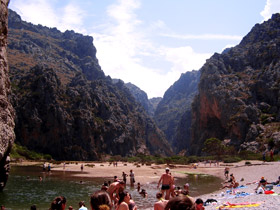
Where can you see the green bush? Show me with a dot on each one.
(232, 159)
(19, 151)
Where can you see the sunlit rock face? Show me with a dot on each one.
(66, 106)
(239, 90)
(7, 135)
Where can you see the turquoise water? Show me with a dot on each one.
(24, 188)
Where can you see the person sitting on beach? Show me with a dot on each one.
(59, 203)
(115, 187)
(161, 203)
(82, 205)
(179, 203)
(123, 202)
(276, 182)
(232, 181)
(199, 204)
(166, 182)
(100, 200)
(262, 183)
(132, 204)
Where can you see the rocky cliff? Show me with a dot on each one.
(154, 102)
(7, 135)
(173, 112)
(142, 97)
(239, 92)
(65, 106)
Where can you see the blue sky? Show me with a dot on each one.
(150, 43)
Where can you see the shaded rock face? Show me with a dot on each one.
(239, 88)
(155, 102)
(173, 113)
(65, 106)
(141, 97)
(7, 135)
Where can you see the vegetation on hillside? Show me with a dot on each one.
(21, 152)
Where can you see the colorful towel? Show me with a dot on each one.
(238, 205)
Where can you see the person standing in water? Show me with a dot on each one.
(166, 180)
(132, 180)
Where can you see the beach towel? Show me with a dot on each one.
(241, 187)
(243, 194)
(238, 205)
(268, 192)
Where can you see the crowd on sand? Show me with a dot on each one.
(113, 195)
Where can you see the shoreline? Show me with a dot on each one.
(143, 173)
(243, 173)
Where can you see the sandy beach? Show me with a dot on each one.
(246, 175)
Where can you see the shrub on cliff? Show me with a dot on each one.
(214, 146)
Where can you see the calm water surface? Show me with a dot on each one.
(24, 188)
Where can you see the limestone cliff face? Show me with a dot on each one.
(142, 97)
(7, 135)
(174, 110)
(239, 89)
(65, 106)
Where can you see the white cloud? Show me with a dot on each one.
(121, 46)
(72, 18)
(204, 36)
(125, 49)
(45, 13)
(184, 59)
(36, 11)
(271, 7)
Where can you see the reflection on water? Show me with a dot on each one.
(24, 188)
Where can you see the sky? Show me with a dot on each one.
(150, 43)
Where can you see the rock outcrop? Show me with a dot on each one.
(239, 90)
(173, 113)
(142, 97)
(7, 135)
(65, 106)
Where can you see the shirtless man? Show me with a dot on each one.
(115, 187)
(160, 205)
(166, 180)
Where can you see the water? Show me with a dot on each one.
(24, 188)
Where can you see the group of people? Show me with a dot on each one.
(115, 197)
(99, 200)
(131, 177)
(264, 185)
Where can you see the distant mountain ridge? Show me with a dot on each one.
(65, 106)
